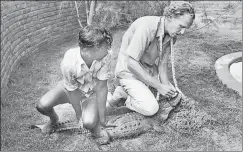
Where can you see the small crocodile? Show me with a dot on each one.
(185, 118)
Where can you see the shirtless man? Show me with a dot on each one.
(141, 60)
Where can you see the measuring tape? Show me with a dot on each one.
(172, 65)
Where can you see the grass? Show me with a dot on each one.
(196, 54)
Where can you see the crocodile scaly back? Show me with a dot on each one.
(128, 125)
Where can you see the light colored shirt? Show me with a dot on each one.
(142, 36)
(77, 75)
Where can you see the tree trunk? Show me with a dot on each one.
(127, 7)
(91, 12)
(76, 6)
(87, 9)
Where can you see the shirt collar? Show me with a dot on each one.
(83, 64)
(80, 58)
(161, 28)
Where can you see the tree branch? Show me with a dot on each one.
(75, 7)
(91, 12)
(78, 14)
(87, 10)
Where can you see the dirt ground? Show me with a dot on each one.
(196, 53)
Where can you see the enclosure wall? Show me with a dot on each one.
(28, 25)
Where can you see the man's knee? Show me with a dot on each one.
(42, 107)
(148, 104)
(88, 122)
(151, 109)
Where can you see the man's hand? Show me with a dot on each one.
(166, 90)
(101, 97)
(80, 122)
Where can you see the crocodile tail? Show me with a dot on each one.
(78, 130)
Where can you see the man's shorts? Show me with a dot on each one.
(80, 95)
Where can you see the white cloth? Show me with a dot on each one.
(140, 98)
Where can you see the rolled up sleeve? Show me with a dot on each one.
(139, 42)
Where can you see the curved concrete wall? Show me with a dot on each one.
(222, 66)
(27, 25)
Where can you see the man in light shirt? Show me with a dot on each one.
(143, 57)
(85, 71)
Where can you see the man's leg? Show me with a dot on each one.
(45, 106)
(90, 118)
(113, 100)
(140, 98)
(90, 115)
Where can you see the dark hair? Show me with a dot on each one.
(91, 36)
(176, 9)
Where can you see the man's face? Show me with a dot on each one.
(101, 50)
(177, 26)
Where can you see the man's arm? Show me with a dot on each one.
(136, 48)
(135, 67)
(139, 42)
(101, 97)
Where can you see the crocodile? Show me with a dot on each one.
(184, 118)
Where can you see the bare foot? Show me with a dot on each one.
(103, 138)
(48, 127)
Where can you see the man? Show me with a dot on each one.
(85, 70)
(143, 57)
